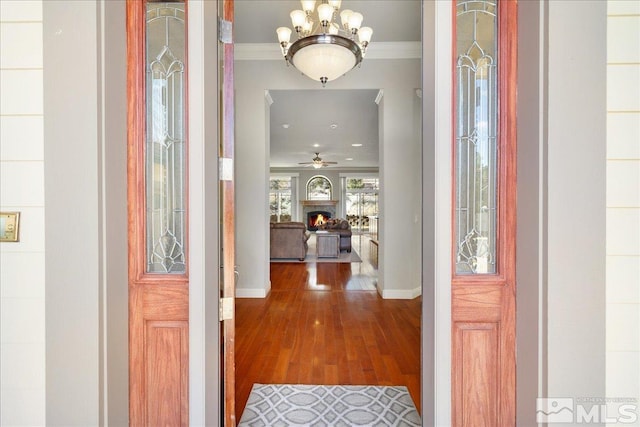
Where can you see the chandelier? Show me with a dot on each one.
(324, 50)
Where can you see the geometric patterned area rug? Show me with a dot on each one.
(274, 405)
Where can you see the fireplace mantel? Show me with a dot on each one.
(319, 202)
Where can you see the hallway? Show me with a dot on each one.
(313, 328)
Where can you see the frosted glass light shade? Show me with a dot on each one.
(324, 57)
(308, 5)
(364, 34)
(344, 16)
(325, 12)
(355, 20)
(335, 3)
(284, 34)
(297, 18)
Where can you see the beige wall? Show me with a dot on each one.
(623, 200)
(22, 272)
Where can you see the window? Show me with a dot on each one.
(319, 188)
(361, 200)
(280, 199)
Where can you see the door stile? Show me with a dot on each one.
(508, 49)
(227, 194)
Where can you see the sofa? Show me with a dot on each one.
(342, 227)
(288, 240)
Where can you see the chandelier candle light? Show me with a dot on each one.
(325, 51)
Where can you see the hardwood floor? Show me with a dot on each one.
(318, 326)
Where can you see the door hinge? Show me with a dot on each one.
(225, 31)
(225, 169)
(226, 308)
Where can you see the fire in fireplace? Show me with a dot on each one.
(316, 218)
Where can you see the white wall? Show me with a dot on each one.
(623, 200)
(574, 195)
(73, 223)
(400, 173)
(529, 267)
(22, 270)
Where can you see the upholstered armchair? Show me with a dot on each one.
(288, 240)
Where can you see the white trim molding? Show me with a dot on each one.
(400, 293)
(253, 292)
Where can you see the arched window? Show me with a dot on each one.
(319, 188)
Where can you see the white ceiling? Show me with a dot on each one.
(309, 113)
(392, 20)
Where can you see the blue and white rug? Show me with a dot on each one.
(276, 405)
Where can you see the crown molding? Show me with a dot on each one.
(379, 97)
(268, 97)
(379, 50)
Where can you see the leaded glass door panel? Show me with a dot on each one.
(483, 213)
(157, 199)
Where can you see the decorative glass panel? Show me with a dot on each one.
(165, 145)
(319, 188)
(476, 137)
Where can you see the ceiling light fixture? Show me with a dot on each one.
(324, 50)
(317, 162)
(356, 145)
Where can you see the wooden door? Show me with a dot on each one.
(484, 212)
(227, 207)
(157, 210)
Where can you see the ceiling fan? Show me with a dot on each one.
(317, 162)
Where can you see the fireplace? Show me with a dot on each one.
(311, 209)
(315, 218)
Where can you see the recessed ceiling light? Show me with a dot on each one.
(316, 145)
(349, 158)
(285, 125)
(356, 145)
(333, 126)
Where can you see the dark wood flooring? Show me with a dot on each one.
(319, 325)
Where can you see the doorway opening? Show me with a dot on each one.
(261, 87)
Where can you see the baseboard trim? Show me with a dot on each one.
(400, 293)
(252, 293)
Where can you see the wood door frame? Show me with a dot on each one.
(227, 199)
(436, 160)
(204, 285)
